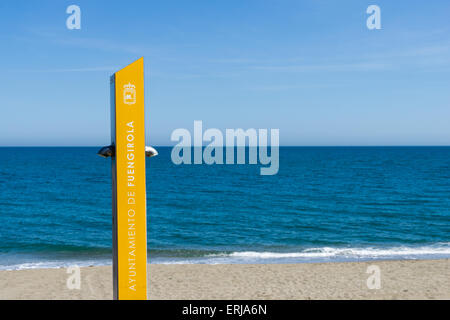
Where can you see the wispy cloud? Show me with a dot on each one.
(187, 76)
(88, 43)
(290, 86)
(433, 50)
(367, 66)
(242, 60)
(88, 69)
(431, 57)
(101, 44)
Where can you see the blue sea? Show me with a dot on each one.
(325, 204)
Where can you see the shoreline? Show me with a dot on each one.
(400, 279)
(44, 265)
(40, 260)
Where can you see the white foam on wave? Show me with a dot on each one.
(328, 252)
(53, 264)
(322, 254)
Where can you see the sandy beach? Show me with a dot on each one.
(407, 279)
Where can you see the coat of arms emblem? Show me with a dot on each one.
(129, 94)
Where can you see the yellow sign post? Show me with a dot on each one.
(128, 152)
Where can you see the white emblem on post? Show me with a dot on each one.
(129, 94)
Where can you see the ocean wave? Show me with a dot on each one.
(443, 249)
(323, 254)
(306, 255)
(54, 264)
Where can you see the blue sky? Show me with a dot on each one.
(310, 68)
